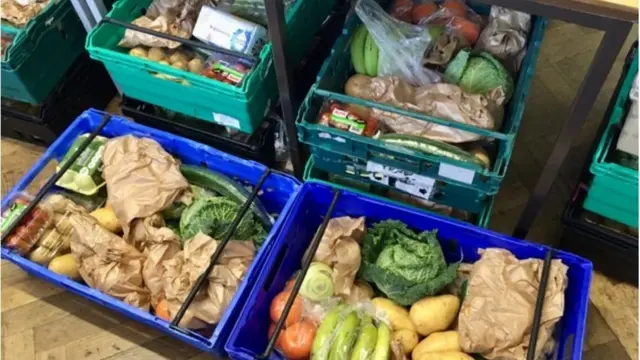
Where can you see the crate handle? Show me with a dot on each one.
(537, 315)
(55, 177)
(306, 263)
(194, 44)
(216, 255)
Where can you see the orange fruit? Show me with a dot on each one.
(277, 306)
(423, 11)
(469, 29)
(298, 340)
(162, 309)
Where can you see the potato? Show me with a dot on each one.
(65, 265)
(156, 54)
(164, 62)
(359, 86)
(179, 65)
(196, 65)
(446, 355)
(437, 342)
(139, 52)
(107, 219)
(178, 56)
(396, 314)
(407, 338)
(435, 313)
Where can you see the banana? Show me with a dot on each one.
(363, 350)
(371, 53)
(383, 342)
(322, 341)
(357, 49)
(346, 336)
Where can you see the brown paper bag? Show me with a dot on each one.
(182, 271)
(19, 15)
(107, 263)
(496, 316)
(340, 249)
(158, 243)
(142, 178)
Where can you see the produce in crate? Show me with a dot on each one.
(364, 52)
(18, 13)
(455, 17)
(85, 175)
(480, 74)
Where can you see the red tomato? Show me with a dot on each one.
(277, 306)
(455, 8)
(422, 11)
(469, 29)
(298, 340)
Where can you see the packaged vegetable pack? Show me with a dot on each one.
(500, 281)
(402, 45)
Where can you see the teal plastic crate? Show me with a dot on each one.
(41, 53)
(246, 105)
(613, 192)
(329, 86)
(313, 173)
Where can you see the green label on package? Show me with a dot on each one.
(350, 122)
(10, 216)
(85, 174)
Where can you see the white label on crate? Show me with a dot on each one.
(421, 190)
(226, 120)
(418, 185)
(456, 173)
(379, 178)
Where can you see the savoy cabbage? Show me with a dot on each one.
(405, 266)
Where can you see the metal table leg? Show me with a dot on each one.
(603, 60)
(289, 105)
(85, 15)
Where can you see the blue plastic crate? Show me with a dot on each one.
(249, 337)
(277, 196)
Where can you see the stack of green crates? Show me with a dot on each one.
(613, 192)
(240, 107)
(452, 183)
(41, 52)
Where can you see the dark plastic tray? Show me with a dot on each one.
(258, 146)
(613, 252)
(86, 84)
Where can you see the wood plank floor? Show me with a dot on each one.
(40, 321)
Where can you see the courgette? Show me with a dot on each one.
(227, 187)
(432, 147)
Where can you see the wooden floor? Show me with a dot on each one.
(40, 321)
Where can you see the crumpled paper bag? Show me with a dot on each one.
(505, 36)
(182, 271)
(360, 292)
(142, 178)
(500, 281)
(19, 13)
(158, 243)
(446, 101)
(173, 17)
(445, 46)
(107, 263)
(339, 248)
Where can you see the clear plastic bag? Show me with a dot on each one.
(32, 227)
(402, 46)
(456, 17)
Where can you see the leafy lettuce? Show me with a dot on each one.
(404, 265)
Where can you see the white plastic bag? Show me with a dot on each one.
(402, 46)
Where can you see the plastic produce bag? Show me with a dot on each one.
(252, 10)
(31, 229)
(456, 17)
(500, 281)
(505, 36)
(402, 46)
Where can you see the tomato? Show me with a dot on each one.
(292, 282)
(277, 306)
(298, 340)
(272, 329)
(455, 8)
(423, 11)
(162, 309)
(469, 29)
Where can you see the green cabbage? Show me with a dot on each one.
(405, 266)
(479, 74)
(213, 216)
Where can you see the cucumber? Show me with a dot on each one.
(432, 147)
(227, 187)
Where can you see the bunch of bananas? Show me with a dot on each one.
(364, 52)
(346, 334)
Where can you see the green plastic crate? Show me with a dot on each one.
(329, 86)
(315, 174)
(461, 197)
(41, 53)
(246, 105)
(613, 193)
